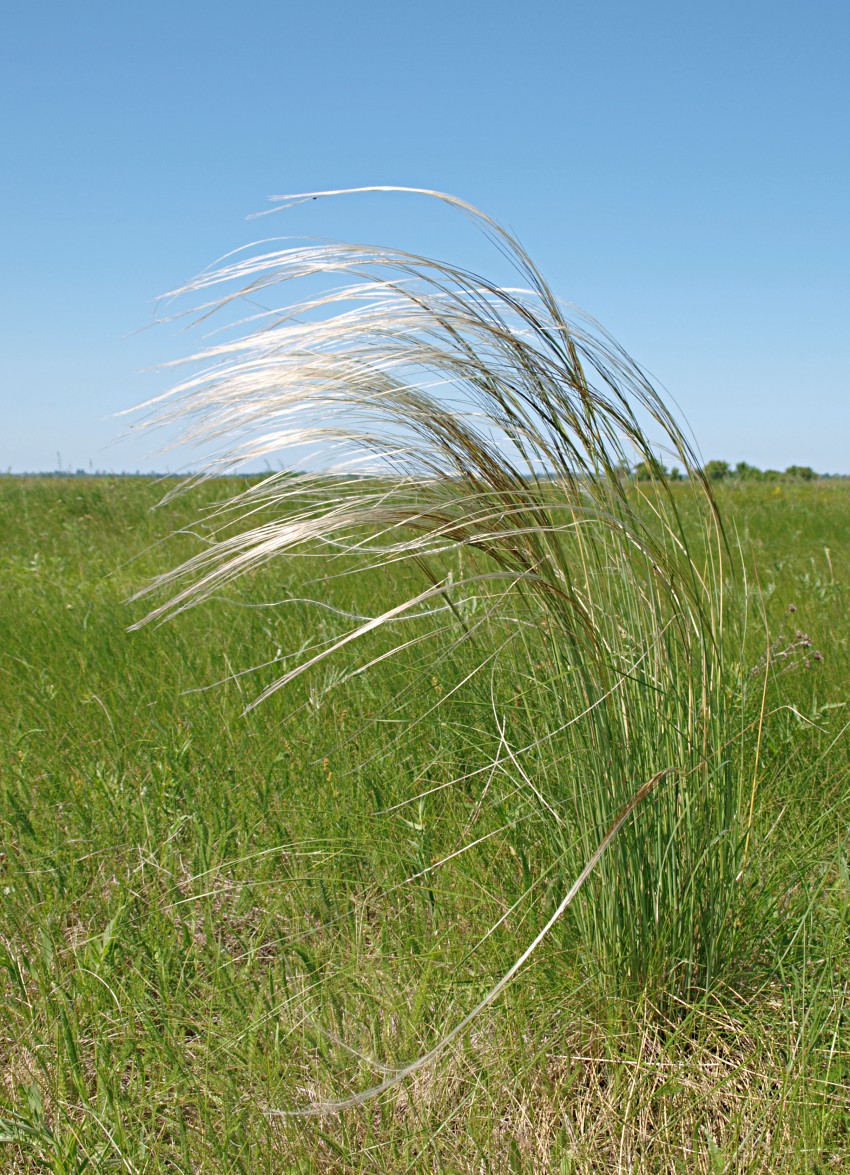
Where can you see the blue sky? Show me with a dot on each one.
(680, 171)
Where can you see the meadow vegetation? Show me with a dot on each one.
(200, 907)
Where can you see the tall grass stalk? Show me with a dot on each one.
(480, 434)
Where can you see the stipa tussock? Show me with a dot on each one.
(481, 435)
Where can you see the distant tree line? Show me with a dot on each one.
(653, 470)
(720, 470)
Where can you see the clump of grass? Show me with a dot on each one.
(478, 434)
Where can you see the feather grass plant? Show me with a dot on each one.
(479, 434)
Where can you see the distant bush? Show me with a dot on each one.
(748, 472)
(651, 470)
(717, 470)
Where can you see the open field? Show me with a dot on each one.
(206, 916)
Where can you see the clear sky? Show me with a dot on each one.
(682, 171)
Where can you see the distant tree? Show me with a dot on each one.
(717, 470)
(803, 472)
(748, 472)
(675, 474)
(650, 470)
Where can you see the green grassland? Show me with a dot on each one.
(209, 916)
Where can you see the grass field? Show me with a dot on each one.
(208, 916)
